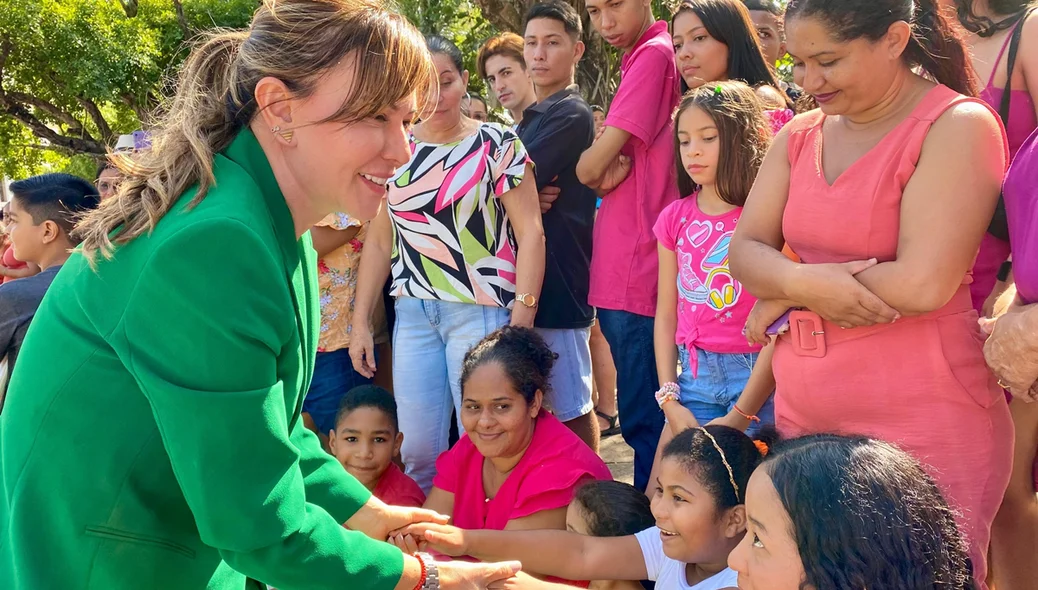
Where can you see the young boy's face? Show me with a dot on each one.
(550, 52)
(769, 30)
(619, 22)
(27, 238)
(365, 442)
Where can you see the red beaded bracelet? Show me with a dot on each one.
(745, 415)
(425, 574)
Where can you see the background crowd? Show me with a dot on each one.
(808, 307)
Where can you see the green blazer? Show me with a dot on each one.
(151, 437)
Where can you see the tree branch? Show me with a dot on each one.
(47, 107)
(184, 29)
(129, 7)
(103, 129)
(41, 130)
(21, 113)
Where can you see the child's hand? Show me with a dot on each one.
(615, 174)
(732, 419)
(764, 313)
(406, 543)
(679, 418)
(441, 538)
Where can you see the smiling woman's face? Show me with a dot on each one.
(496, 416)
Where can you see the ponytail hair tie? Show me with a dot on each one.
(762, 447)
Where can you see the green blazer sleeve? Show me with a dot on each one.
(327, 483)
(204, 345)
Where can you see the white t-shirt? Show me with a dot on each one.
(670, 574)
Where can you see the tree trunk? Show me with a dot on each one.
(598, 71)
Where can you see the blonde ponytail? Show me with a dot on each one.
(293, 40)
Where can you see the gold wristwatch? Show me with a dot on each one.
(527, 300)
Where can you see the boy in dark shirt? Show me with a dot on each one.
(556, 130)
(39, 223)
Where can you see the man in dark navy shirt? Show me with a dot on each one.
(556, 130)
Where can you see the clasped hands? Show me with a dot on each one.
(831, 291)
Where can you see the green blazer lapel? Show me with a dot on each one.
(299, 254)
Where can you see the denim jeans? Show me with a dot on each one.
(630, 338)
(430, 339)
(716, 388)
(333, 378)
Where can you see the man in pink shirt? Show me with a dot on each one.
(636, 141)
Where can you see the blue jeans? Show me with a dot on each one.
(430, 339)
(570, 379)
(630, 338)
(714, 391)
(333, 378)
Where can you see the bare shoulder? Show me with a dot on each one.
(965, 121)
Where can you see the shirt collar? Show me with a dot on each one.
(544, 105)
(656, 29)
(245, 151)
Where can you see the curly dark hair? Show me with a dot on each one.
(866, 515)
(614, 508)
(523, 355)
(700, 458)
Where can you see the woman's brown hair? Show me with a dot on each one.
(742, 129)
(935, 46)
(295, 41)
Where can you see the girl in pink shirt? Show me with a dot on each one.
(721, 135)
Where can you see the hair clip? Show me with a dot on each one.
(724, 459)
(717, 89)
(762, 447)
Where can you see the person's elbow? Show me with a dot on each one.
(588, 173)
(531, 237)
(924, 293)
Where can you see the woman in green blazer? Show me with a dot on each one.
(152, 434)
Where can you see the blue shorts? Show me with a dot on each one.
(570, 396)
(721, 379)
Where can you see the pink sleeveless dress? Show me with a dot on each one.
(1022, 121)
(920, 383)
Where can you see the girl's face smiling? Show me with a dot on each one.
(692, 528)
(768, 557)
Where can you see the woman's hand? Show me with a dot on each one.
(376, 519)
(362, 349)
(679, 418)
(831, 291)
(438, 537)
(764, 313)
(1012, 351)
(461, 575)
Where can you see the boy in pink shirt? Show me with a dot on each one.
(632, 163)
(366, 439)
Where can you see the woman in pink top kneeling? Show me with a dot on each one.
(884, 193)
(516, 466)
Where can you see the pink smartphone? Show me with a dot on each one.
(773, 329)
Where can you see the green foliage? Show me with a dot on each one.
(80, 72)
(460, 21)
